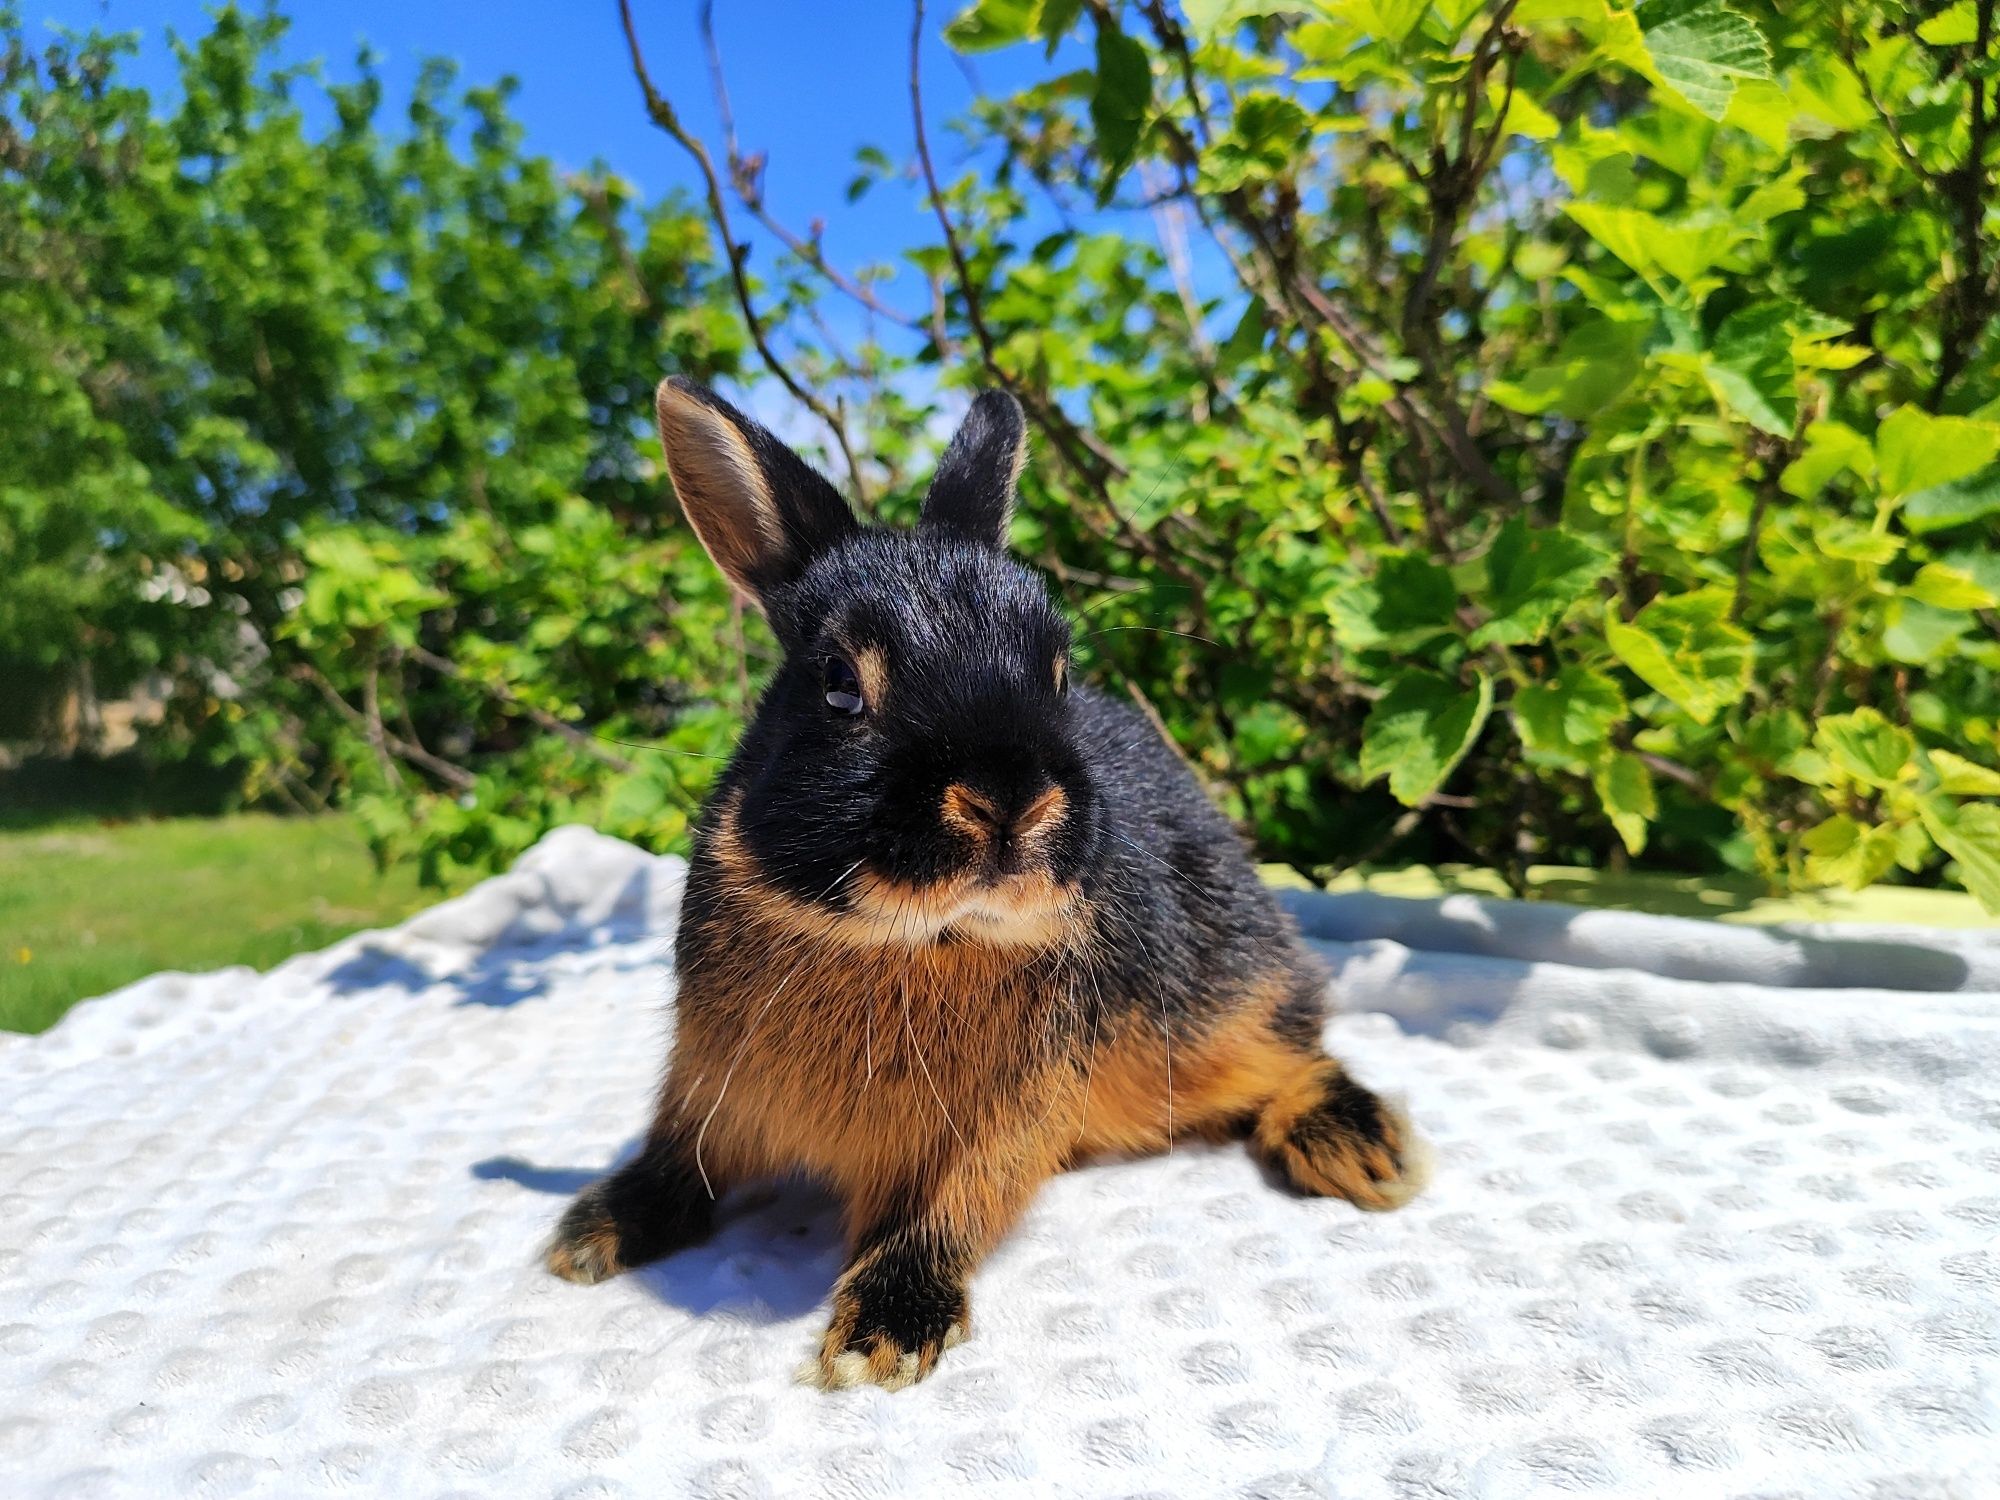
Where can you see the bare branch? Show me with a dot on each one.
(371, 722)
(663, 115)
(746, 176)
(1086, 455)
(597, 201)
(1968, 304)
(584, 741)
(443, 770)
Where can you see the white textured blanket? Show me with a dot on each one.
(1717, 1212)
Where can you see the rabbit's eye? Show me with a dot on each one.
(843, 687)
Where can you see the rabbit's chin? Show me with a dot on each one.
(1028, 910)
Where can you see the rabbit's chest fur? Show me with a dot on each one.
(856, 1063)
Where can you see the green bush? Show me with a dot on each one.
(1528, 431)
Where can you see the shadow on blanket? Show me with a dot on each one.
(773, 1257)
(499, 979)
(512, 940)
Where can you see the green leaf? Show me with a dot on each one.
(1970, 834)
(1830, 448)
(1751, 370)
(1650, 245)
(1702, 49)
(1867, 747)
(1534, 574)
(991, 25)
(1969, 499)
(1414, 594)
(1917, 451)
(1055, 20)
(1763, 108)
(1569, 716)
(1120, 102)
(1963, 777)
(1589, 370)
(1843, 852)
(1625, 786)
(1943, 587)
(1407, 603)
(1419, 730)
(1247, 339)
(1686, 649)
(1954, 26)
(1917, 634)
(1379, 20)
(1208, 19)
(1264, 136)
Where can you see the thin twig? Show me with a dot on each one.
(663, 115)
(1089, 458)
(584, 741)
(746, 177)
(444, 770)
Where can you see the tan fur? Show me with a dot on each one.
(719, 484)
(912, 1056)
(967, 813)
(866, 1064)
(588, 1258)
(1045, 812)
(871, 666)
(1148, 1087)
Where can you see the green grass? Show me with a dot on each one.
(87, 907)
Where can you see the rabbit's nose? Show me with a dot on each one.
(1039, 813)
(990, 818)
(972, 812)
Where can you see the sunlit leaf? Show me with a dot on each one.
(1703, 49)
(1686, 649)
(1534, 575)
(1917, 451)
(1624, 786)
(1419, 730)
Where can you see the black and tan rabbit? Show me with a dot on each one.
(954, 921)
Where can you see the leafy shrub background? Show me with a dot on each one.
(1542, 430)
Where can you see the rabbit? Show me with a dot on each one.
(954, 921)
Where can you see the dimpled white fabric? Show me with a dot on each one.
(1710, 1218)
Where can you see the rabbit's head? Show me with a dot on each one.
(915, 771)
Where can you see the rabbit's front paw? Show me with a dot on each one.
(893, 1315)
(639, 1213)
(586, 1246)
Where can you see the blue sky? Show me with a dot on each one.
(810, 83)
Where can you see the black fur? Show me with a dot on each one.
(907, 1285)
(972, 494)
(657, 1203)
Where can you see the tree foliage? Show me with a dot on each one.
(1588, 445)
(1530, 430)
(345, 429)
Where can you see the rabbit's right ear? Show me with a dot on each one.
(762, 512)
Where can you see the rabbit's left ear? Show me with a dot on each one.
(972, 494)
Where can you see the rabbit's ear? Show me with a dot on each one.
(762, 512)
(972, 494)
